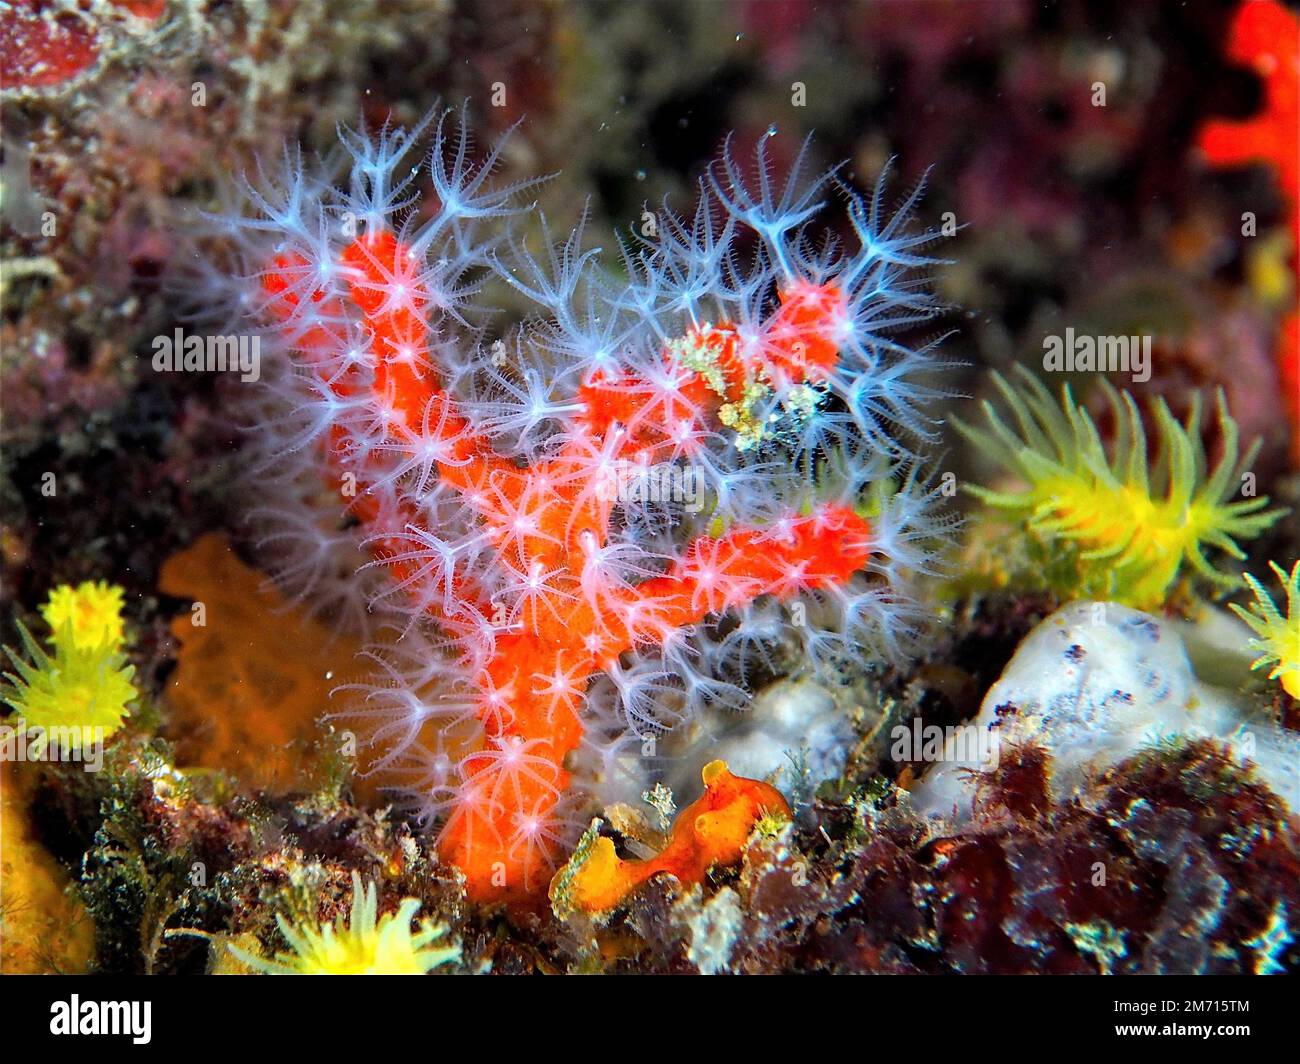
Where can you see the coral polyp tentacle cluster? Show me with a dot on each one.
(1136, 526)
(75, 696)
(570, 505)
(1277, 634)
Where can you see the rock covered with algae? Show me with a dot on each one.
(1096, 683)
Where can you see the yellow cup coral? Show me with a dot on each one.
(1131, 526)
(79, 695)
(88, 616)
(368, 944)
(1277, 637)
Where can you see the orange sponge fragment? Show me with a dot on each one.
(254, 675)
(709, 832)
(44, 927)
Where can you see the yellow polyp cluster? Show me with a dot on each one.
(80, 693)
(368, 944)
(89, 615)
(1277, 636)
(744, 418)
(1131, 526)
(699, 350)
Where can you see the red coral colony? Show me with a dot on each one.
(513, 518)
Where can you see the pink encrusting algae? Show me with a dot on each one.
(579, 533)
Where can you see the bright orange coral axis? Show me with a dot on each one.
(1264, 36)
(547, 521)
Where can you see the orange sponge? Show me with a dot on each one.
(254, 676)
(711, 831)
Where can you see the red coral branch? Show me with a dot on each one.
(1265, 36)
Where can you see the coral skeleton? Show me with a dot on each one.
(509, 512)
